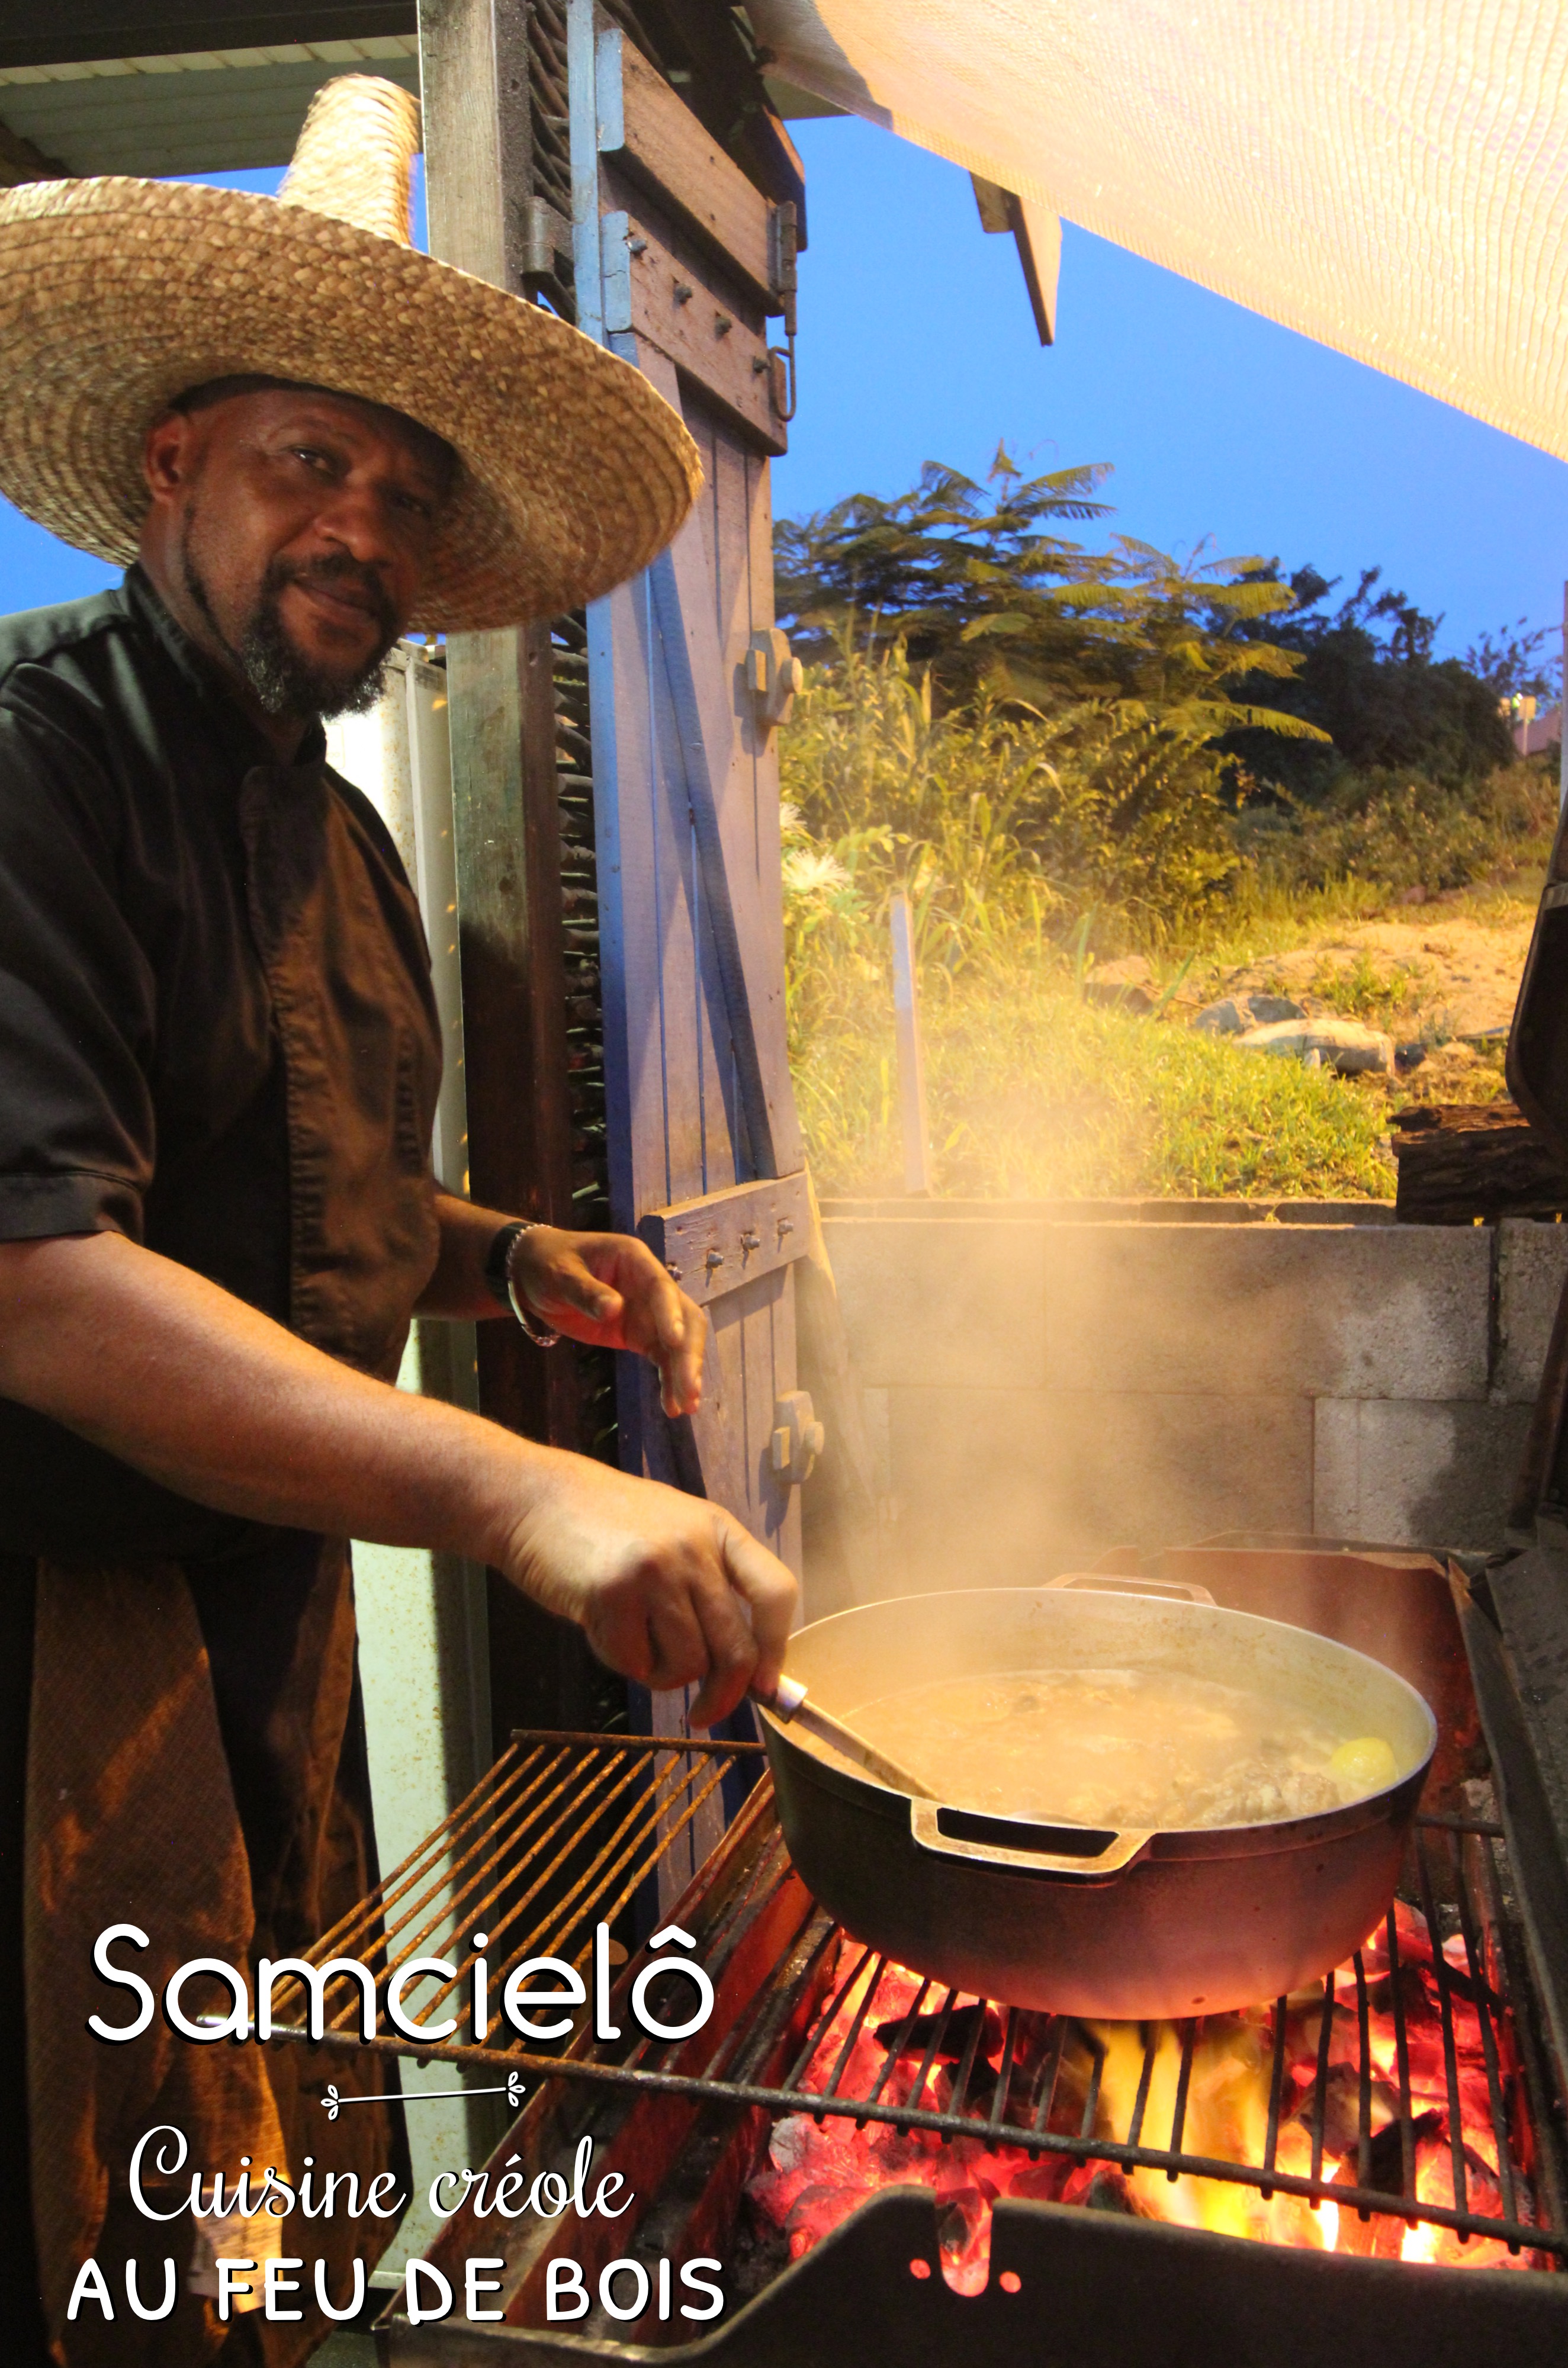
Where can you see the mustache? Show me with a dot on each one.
(334, 568)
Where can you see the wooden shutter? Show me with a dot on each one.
(679, 259)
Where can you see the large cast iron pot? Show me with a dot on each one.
(1059, 1916)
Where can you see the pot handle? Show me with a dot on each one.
(1120, 1851)
(1108, 1582)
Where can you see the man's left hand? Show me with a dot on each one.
(610, 1291)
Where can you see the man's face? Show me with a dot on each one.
(297, 524)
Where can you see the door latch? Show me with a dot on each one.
(772, 678)
(798, 1438)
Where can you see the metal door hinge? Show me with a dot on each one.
(784, 238)
(547, 242)
(798, 1438)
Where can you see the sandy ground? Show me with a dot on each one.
(1465, 970)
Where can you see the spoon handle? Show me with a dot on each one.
(791, 1705)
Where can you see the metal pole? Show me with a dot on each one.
(910, 1061)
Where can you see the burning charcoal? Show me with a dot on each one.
(1380, 2237)
(955, 2038)
(964, 2166)
(815, 2212)
(1042, 2180)
(1101, 2187)
(980, 2094)
(960, 2213)
(1415, 1997)
(1078, 2061)
(1342, 2108)
(1034, 2040)
(1385, 2155)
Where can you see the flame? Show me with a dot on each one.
(1226, 2117)
(817, 2174)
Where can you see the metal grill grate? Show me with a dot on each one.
(563, 1830)
(555, 1839)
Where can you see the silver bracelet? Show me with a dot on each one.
(534, 1331)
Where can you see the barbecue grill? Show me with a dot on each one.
(997, 2171)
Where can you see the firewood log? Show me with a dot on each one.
(1458, 1161)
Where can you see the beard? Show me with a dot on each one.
(286, 681)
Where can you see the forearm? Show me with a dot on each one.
(199, 1391)
(458, 1289)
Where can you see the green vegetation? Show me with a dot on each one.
(1057, 755)
(1033, 1093)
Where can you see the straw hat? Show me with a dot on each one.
(117, 295)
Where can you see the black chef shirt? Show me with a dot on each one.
(141, 1084)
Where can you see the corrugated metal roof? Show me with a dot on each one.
(201, 111)
(40, 35)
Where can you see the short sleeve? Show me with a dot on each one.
(77, 996)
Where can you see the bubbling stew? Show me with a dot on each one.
(1123, 1748)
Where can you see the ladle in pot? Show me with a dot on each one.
(791, 1707)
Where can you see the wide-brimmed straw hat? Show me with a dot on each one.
(117, 295)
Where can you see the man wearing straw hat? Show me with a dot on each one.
(218, 1069)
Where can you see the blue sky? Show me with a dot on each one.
(917, 344)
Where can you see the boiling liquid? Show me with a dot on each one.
(1122, 1748)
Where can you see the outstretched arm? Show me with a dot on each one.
(207, 1396)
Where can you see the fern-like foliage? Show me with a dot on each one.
(972, 582)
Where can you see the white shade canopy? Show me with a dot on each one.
(1385, 176)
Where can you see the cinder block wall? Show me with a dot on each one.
(1043, 1387)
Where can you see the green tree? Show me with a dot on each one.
(976, 589)
(1365, 676)
(1097, 686)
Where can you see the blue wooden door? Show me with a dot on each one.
(671, 246)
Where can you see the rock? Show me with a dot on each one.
(1234, 1018)
(1225, 1019)
(1136, 1001)
(1126, 985)
(1342, 1044)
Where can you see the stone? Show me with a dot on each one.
(1532, 1269)
(1236, 1014)
(1234, 1311)
(950, 1303)
(1126, 970)
(1135, 1001)
(1126, 985)
(1225, 1019)
(1005, 1487)
(1342, 1044)
(1398, 1473)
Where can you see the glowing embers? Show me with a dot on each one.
(1329, 2121)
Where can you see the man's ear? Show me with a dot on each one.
(169, 455)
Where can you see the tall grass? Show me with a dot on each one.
(1027, 845)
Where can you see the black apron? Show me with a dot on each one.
(196, 1756)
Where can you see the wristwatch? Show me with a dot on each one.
(498, 1276)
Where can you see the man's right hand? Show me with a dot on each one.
(202, 1392)
(669, 1590)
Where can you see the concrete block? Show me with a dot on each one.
(1397, 1312)
(1532, 1262)
(972, 1494)
(1005, 1487)
(1412, 1472)
(959, 1306)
